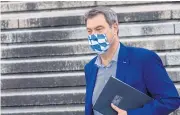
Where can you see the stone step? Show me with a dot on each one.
(51, 110)
(127, 3)
(177, 27)
(173, 58)
(174, 74)
(82, 47)
(55, 64)
(49, 80)
(76, 17)
(77, 33)
(36, 6)
(60, 79)
(44, 65)
(144, 29)
(161, 8)
(77, 109)
(43, 96)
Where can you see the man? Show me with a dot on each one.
(138, 67)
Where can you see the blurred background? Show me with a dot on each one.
(44, 49)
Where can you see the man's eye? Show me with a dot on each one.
(99, 30)
(89, 31)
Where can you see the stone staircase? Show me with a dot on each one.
(44, 49)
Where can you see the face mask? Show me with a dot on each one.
(99, 43)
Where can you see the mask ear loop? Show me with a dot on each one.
(112, 39)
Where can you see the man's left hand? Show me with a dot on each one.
(120, 111)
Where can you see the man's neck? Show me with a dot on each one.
(107, 57)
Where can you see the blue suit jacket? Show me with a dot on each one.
(143, 70)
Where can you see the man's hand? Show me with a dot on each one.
(120, 111)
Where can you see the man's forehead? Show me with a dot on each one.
(96, 21)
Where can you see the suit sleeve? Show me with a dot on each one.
(160, 86)
(86, 74)
(86, 80)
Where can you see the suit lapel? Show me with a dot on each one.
(122, 63)
(92, 84)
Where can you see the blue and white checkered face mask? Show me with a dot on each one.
(98, 43)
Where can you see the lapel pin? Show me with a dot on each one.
(124, 62)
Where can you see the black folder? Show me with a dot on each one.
(120, 94)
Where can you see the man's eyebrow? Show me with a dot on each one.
(88, 28)
(99, 27)
(96, 27)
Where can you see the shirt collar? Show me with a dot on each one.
(115, 58)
